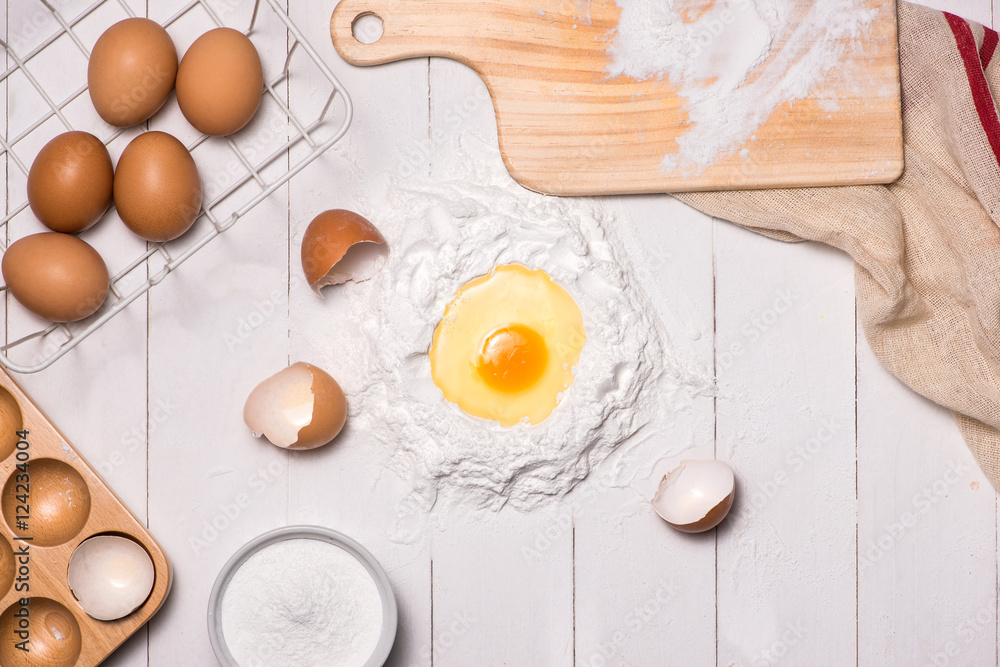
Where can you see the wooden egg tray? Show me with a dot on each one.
(66, 504)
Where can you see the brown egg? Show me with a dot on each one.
(220, 82)
(69, 184)
(56, 276)
(157, 187)
(132, 71)
(339, 246)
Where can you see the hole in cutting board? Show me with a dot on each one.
(368, 28)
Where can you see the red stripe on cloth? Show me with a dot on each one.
(977, 80)
(990, 40)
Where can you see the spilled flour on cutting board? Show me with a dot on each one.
(449, 229)
(735, 61)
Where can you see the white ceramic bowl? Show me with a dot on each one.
(389, 610)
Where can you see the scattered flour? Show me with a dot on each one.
(735, 63)
(302, 602)
(447, 230)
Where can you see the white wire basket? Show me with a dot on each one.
(260, 173)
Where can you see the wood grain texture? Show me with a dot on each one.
(565, 127)
(48, 564)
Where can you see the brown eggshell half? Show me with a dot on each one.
(131, 71)
(341, 245)
(157, 187)
(56, 276)
(70, 181)
(329, 411)
(276, 408)
(710, 520)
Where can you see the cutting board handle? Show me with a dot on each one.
(410, 30)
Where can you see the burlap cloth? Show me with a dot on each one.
(928, 246)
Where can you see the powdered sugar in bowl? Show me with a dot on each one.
(302, 595)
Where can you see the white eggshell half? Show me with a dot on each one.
(691, 491)
(111, 576)
(282, 405)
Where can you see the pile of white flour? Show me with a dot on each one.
(447, 230)
(735, 63)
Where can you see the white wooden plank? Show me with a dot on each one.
(212, 486)
(630, 607)
(926, 542)
(342, 485)
(494, 604)
(785, 367)
(530, 617)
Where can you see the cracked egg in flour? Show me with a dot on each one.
(508, 346)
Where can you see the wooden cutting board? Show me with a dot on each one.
(567, 128)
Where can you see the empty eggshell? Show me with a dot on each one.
(111, 576)
(69, 184)
(301, 407)
(339, 246)
(696, 496)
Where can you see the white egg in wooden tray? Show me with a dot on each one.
(53, 502)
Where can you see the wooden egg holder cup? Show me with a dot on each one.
(66, 503)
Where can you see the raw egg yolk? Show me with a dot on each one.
(513, 358)
(508, 346)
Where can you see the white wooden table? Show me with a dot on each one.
(830, 450)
